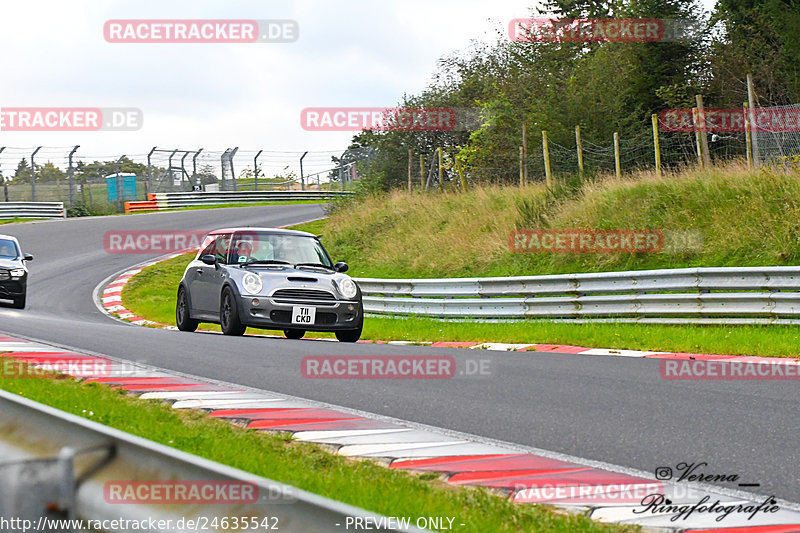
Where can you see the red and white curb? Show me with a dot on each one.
(605, 492)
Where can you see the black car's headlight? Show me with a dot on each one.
(17, 273)
(348, 288)
(251, 283)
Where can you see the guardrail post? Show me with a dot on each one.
(33, 174)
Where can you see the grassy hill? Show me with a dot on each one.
(725, 216)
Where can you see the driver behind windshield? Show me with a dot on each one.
(7, 249)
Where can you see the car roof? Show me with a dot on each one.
(276, 231)
(9, 237)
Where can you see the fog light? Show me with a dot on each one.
(255, 301)
(350, 307)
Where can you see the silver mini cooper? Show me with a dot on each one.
(272, 279)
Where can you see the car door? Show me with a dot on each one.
(209, 278)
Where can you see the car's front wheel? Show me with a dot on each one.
(19, 302)
(294, 333)
(349, 335)
(182, 318)
(229, 314)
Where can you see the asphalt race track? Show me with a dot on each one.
(612, 409)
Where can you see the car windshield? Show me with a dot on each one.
(8, 249)
(250, 247)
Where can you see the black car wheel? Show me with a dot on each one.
(294, 333)
(19, 302)
(182, 313)
(349, 335)
(229, 314)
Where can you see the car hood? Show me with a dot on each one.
(11, 263)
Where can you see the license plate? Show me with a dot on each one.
(303, 315)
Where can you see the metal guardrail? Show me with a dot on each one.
(189, 199)
(32, 210)
(56, 465)
(751, 292)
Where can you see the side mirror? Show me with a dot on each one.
(341, 267)
(208, 259)
(28, 257)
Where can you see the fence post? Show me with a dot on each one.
(546, 154)
(461, 174)
(656, 144)
(5, 183)
(409, 169)
(33, 174)
(748, 146)
(422, 171)
(71, 177)
(751, 99)
(441, 170)
(695, 119)
(150, 171)
(521, 166)
(524, 153)
(617, 165)
(703, 134)
(579, 148)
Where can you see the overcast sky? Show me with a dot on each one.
(361, 53)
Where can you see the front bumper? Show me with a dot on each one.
(10, 289)
(331, 315)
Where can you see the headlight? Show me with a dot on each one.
(252, 283)
(348, 288)
(17, 272)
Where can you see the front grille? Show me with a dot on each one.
(4, 275)
(302, 294)
(285, 317)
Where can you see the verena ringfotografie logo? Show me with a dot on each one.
(582, 241)
(632, 30)
(701, 369)
(180, 492)
(70, 119)
(201, 31)
(773, 119)
(147, 242)
(391, 367)
(389, 119)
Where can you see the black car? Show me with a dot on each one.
(269, 278)
(13, 272)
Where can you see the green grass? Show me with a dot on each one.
(16, 220)
(362, 483)
(151, 294)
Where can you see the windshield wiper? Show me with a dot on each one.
(313, 265)
(265, 262)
